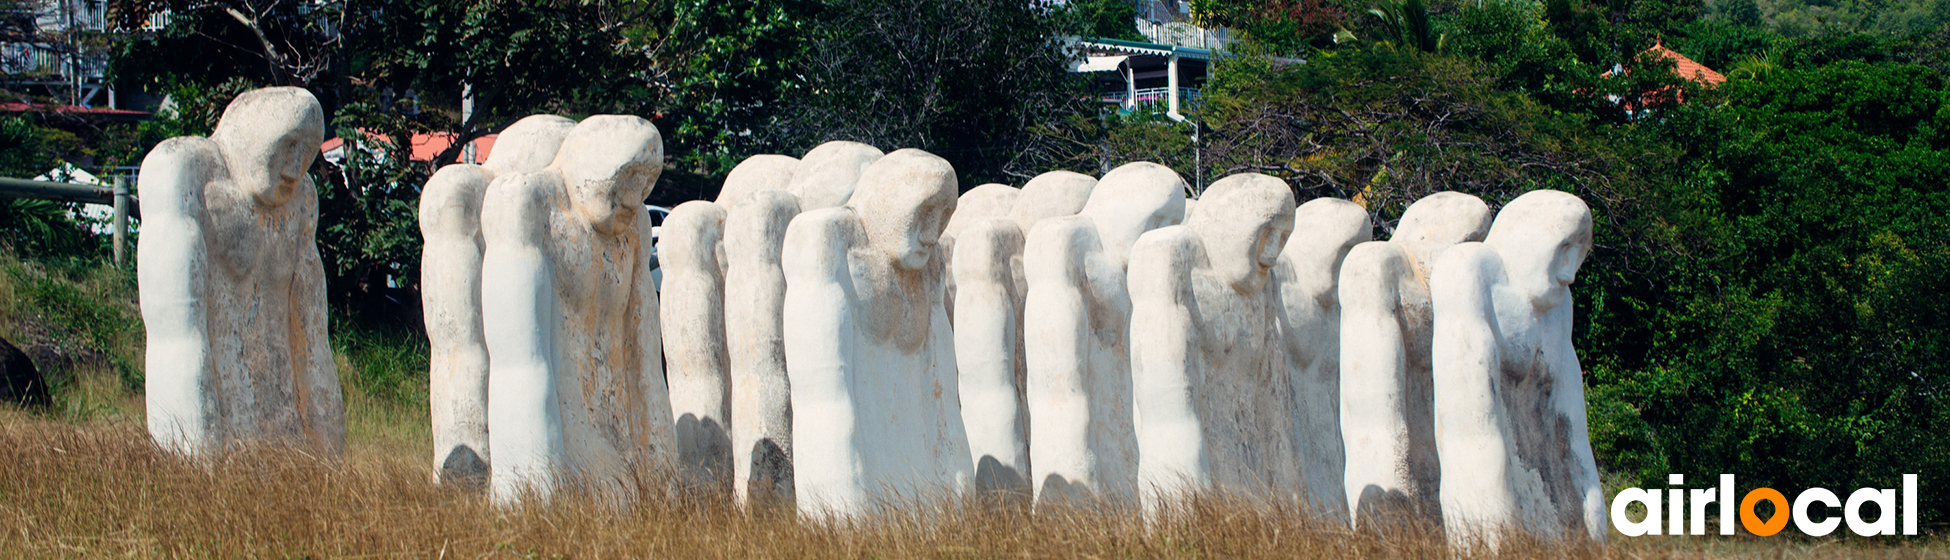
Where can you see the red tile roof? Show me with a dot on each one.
(21, 107)
(426, 145)
(1684, 67)
(1687, 68)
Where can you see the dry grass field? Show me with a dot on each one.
(82, 480)
(100, 489)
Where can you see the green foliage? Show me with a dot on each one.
(1386, 126)
(1513, 37)
(386, 362)
(368, 225)
(964, 80)
(1282, 25)
(279, 42)
(1102, 19)
(727, 63)
(1787, 327)
(83, 302)
(1720, 46)
(40, 227)
(1406, 24)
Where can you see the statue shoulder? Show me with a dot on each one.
(817, 242)
(1162, 261)
(174, 176)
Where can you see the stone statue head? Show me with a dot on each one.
(608, 164)
(828, 175)
(1438, 221)
(904, 201)
(1245, 221)
(992, 200)
(268, 138)
(1134, 198)
(1052, 194)
(528, 145)
(1325, 230)
(1543, 237)
(757, 173)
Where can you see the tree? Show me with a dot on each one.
(1786, 327)
(1282, 25)
(1103, 19)
(292, 41)
(965, 80)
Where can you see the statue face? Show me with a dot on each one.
(268, 138)
(1244, 221)
(608, 164)
(914, 248)
(904, 201)
(1543, 237)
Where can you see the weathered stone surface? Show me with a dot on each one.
(757, 173)
(1509, 395)
(1077, 336)
(20, 382)
(698, 366)
(1306, 282)
(450, 291)
(989, 356)
(576, 390)
(1050, 195)
(827, 175)
(989, 346)
(763, 195)
(868, 345)
(1214, 400)
(1387, 422)
(232, 290)
(761, 393)
(993, 200)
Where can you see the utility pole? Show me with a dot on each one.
(121, 222)
(467, 121)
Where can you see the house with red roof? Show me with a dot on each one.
(425, 146)
(1682, 66)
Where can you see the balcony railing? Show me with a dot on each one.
(1151, 95)
(45, 60)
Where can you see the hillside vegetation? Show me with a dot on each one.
(1764, 298)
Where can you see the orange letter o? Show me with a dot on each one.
(1774, 524)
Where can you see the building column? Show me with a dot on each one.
(1130, 86)
(1171, 85)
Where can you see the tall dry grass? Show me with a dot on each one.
(102, 490)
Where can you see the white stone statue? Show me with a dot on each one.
(827, 175)
(762, 196)
(759, 173)
(232, 289)
(868, 346)
(992, 200)
(450, 291)
(988, 347)
(761, 394)
(1509, 395)
(989, 353)
(698, 364)
(1051, 195)
(1307, 283)
(1076, 335)
(576, 391)
(1387, 423)
(1214, 400)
